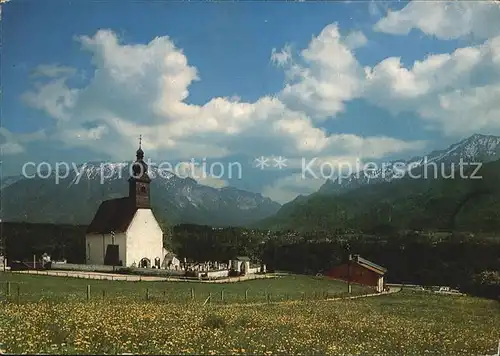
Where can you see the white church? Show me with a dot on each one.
(124, 231)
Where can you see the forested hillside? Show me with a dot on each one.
(436, 203)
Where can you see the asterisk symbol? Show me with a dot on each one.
(262, 162)
(280, 162)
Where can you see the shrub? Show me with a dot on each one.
(485, 284)
(215, 321)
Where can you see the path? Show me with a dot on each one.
(136, 278)
(391, 291)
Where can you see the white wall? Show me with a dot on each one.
(253, 270)
(238, 266)
(218, 274)
(144, 238)
(95, 247)
(380, 287)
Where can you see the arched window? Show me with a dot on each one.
(145, 263)
(143, 189)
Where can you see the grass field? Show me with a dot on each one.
(35, 288)
(405, 323)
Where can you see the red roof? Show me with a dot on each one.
(369, 265)
(113, 215)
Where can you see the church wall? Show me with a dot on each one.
(144, 238)
(95, 247)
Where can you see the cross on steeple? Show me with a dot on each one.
(140, 152)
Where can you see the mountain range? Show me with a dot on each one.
(347, 203)
(476, 148)
(440, 197)
(75, 199)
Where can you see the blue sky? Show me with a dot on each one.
(81, 80)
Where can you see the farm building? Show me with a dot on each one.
(124, 231)
(361, 271)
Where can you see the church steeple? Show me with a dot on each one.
(140, 153)
(139, 180)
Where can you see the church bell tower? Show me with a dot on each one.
(139, 182)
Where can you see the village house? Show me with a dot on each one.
(361, 271)
(124, 231)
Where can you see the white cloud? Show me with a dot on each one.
(1, 3)
(355, 39)
(52, 71)
(285, 189)
(315, 163)
(55, 98)
(11, 148)
(283, 57)
(143, 89)
(329, 76)
(463, 111)
(199, 173)
(376, 8)
(445, 19)
(437, 86)
(11, 143)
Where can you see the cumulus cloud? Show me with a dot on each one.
(143, 88)
(446, 90)
(11, 144)
(327, 77)
(54, 98)
(355, 39)
(445, 20)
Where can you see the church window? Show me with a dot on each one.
(143, 189)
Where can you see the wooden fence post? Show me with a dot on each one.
(209, 299)
(246, 295)
(88, 292)
(147, 293)
(18, 294)
(103, 294)
(8, 289)
(192, 293)
(222, 296)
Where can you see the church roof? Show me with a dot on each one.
(242, 258)
(112, 215)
